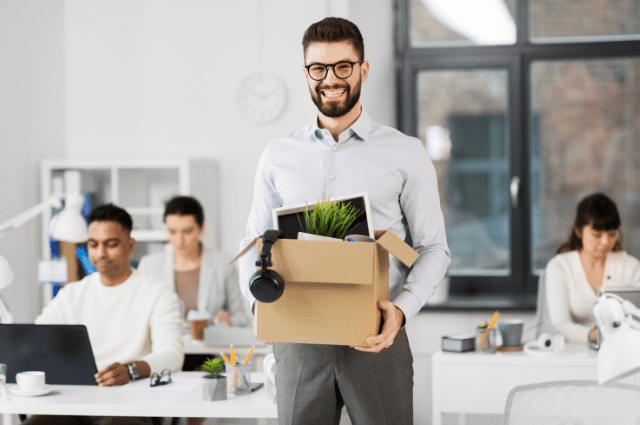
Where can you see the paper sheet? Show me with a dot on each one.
(178, 385)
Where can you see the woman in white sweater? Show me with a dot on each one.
(591, 257)
(202, 278)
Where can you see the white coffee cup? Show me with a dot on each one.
(32, 380)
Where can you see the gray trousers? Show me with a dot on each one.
(315, 381)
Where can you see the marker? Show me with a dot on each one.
(350, 240)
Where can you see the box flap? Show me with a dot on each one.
(244, 251)
(397, 247)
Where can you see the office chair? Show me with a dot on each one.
(573, 402)
(543, 320)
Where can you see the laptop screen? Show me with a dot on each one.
(63, 352)
(630, 293)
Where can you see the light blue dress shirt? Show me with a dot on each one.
(392, 168)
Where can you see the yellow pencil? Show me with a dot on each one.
(233, 355)
(225, 358)
(246, 359)
(493, 320)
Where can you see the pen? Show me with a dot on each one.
(246, 359)
(493, 320)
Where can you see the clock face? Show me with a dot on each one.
(262, 97)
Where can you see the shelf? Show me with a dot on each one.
(149, 235)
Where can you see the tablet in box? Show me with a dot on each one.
(289, 219)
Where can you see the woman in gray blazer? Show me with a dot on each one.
(202, 277)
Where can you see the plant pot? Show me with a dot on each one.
(309, 237)
(214, 389)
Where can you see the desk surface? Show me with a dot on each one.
(480, 383)
(110, 401)
(192, 346)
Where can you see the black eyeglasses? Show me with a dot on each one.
(162, 378)
(342, 70)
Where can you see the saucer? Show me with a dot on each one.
(31, 393)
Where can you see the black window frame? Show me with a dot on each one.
(517, 291)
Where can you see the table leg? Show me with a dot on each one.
(436, 413)
(7, 419)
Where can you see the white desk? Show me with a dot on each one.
(480, 383)
(111, 401)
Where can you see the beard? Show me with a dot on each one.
(336, 109)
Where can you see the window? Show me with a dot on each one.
(525, 108)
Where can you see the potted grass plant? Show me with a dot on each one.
(215, 385)
(328, 220)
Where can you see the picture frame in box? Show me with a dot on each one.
(288, 218)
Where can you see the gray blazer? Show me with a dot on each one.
(218, 288)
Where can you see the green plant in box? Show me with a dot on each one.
(214, 367)
(329, 218)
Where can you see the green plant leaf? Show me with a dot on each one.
(214, 367)
(329, 218)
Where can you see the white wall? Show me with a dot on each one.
(157, 79)
(32, 127)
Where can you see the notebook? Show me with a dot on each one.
(63, 352)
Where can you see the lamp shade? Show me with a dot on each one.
(619, 354)
(6, 273)
(69, 224)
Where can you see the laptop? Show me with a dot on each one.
(62, 352)
(630, 293)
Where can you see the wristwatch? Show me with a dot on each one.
(133, 371)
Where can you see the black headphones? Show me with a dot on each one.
(267, 285)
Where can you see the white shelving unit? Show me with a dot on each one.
(141, 187)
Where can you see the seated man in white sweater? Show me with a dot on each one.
(133, 320)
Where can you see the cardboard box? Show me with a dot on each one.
(331, 289)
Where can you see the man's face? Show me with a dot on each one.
(333, 96)
(109, 246)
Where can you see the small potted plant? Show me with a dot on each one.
(215, 386)
(328, 220)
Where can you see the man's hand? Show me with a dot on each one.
(116, 374)
(392, 318)
(223, 317)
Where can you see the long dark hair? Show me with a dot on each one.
(601, 213)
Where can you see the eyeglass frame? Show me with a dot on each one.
(332, 65)
(157, 378)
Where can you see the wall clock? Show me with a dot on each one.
(262, 97)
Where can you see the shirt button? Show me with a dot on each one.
(333, 177)
(335, 148)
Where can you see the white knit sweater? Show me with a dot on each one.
(136, 320)
(570, 298)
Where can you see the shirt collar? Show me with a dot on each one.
(361, 127)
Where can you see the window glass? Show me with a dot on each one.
(463, 121)
(462, 22)
(584, 19)
(584, 137)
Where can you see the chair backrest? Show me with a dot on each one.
(573, 402)
(543, 320)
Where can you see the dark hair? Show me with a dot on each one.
(185, 205)
(110, 212)
(601, 213)
(331, 30)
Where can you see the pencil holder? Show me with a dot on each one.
(238, 378)
(486, 340)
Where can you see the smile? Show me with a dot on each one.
(332, 93)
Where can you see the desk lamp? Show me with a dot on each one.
(68, 225)
(619, 353)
